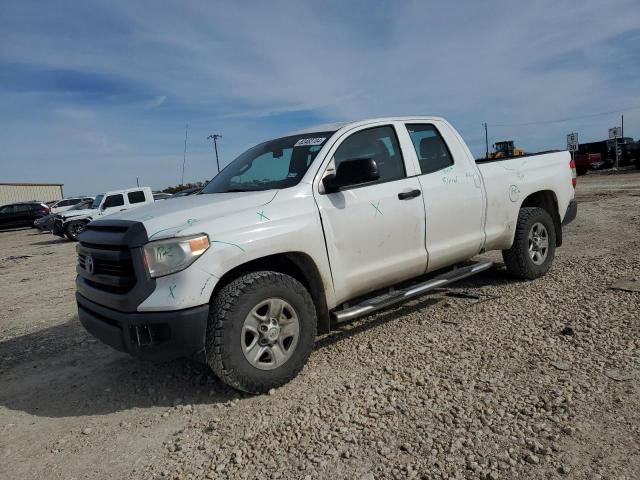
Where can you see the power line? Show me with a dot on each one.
(563, 119)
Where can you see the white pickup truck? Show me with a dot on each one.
(309, 230)
(71, 223)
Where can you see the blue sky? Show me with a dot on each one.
(95, 94)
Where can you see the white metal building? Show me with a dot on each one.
(24, 192)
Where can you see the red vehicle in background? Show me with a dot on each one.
(586, 161)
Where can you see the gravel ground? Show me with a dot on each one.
(493, 378)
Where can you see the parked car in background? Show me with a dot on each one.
(188, 191)
(46, 223)
(71, 223)
(161, 196)
(22, 214)
(67, 203)
(586, 161)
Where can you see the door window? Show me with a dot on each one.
(24, 208)
(379, 144)
(114, 201)
(8, 210)
(430, 148)
(136, 197)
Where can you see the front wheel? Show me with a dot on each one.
(73, 229)
(262, 327)
(534, 244)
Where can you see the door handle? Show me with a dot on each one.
(409, 194)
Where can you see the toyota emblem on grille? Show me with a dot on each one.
(89, 266)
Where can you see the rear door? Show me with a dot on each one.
(452, 192)
(374, 232)
(136, 198)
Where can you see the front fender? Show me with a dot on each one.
(282, 226)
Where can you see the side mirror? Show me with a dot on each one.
(351, 172)
(103, 206)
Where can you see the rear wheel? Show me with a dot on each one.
(73, 229)
(261, 331)
(534, 244)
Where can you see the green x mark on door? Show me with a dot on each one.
(377, 207)
(262, 216)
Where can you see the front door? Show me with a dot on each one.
(375, 232)
(113, 203)
(8, 216)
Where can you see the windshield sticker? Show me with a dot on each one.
(309, 142)
(292, 175)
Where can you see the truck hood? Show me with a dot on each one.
(166, 218)
(78, 213)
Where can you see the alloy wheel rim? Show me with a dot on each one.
(538, 243)
(270, 334)
(76, 229)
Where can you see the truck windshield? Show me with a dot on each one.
(275, 164)
(96, 202)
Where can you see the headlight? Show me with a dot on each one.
(173, 255)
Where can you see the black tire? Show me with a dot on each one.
(582, 170)
(73, 229)
(230, 307)
(518, 259)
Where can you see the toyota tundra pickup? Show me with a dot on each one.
(312, 229)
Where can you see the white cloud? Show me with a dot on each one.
(226, 67)
(156, 102)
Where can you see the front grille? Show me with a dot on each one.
(112, 269)
(116, 276)
(118, 268)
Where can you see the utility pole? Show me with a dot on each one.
(137, 182)
(215, 138)
(184, 154)
(486, 141)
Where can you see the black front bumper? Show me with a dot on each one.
(153, 336)
(571, 214)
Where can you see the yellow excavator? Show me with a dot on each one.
(505, 148)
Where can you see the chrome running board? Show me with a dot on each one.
(398, 296)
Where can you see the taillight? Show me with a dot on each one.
(572, 166)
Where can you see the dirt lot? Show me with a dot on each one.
(507, 379)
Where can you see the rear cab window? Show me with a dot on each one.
(136, 197)
(431, 149)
